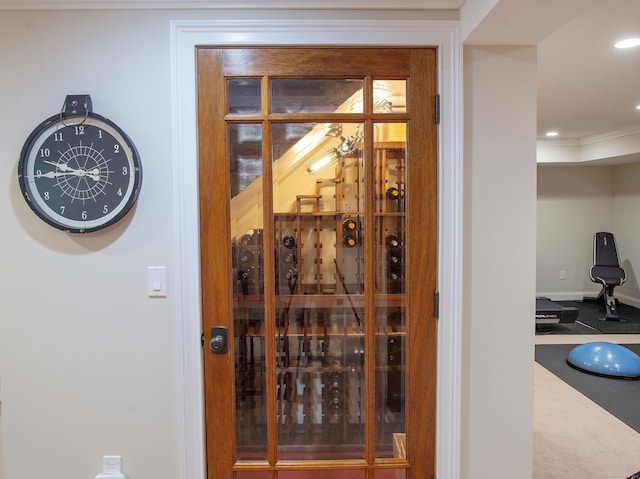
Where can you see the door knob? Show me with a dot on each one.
(218, 342)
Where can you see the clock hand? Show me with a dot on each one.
(67, 170)
(50, 174)
(93, 174)
(62, 166)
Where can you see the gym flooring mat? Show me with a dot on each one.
(591, 312)
(619, 397)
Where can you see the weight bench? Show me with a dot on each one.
(606, 271)
(548, 312)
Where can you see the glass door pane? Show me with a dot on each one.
(390, 235)
(316, 96)
(320, 346)
(247, 260)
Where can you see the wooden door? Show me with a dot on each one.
(318, 190)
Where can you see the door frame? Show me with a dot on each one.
(444, 35)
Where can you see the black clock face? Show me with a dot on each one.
(81, 174)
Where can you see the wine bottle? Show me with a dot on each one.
(289, 242)
(290, 274)
(350, 241)
(334, 380)
(349, 225)
(247, 272)
(393, 271)
(393, 193)
(393, 257)
(246, 257)
(245, 240)
(392, 242)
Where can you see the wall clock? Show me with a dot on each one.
(78, 170)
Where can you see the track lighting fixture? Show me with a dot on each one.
(331, 157)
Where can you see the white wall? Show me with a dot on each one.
(626, 225)
(500, 203)
(574, 202)
(88, 362)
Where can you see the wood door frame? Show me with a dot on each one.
(417, 225)
(442, 34)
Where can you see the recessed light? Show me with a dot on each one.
(637, 107)
(628, 43)
(552, 133)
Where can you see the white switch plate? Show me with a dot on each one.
(157, 281)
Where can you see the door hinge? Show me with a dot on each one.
(436, 304)
(202, 340)
(437, 108)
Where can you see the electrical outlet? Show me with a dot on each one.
(112, 464)
(563, 275)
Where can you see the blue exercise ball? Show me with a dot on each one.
(606, 359)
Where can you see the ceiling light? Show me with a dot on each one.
(628, 43)
(331, 157)
(637, 107)
(552, 133)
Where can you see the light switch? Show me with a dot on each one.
(157, 281)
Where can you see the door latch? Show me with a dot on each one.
(218, 342)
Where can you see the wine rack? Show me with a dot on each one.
(319, 279)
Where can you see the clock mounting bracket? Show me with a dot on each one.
(76, 105)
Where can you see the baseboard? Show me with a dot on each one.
(624, 299)
(566, 295)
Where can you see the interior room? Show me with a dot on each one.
(587, 183)
(108, 363)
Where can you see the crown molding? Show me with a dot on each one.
(611, 148)
(589, 139)
(556, 142)
(610, 135)
(423, 5)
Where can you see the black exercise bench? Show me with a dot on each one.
(606, 271)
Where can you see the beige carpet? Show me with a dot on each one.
(574, 438)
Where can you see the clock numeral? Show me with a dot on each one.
(79, 129)
(119, 193)
(38, 173)
(105, 210)
(116, 148)
(62, 210)
(45, 153)
(46, 195)
(125, 171)
(84, 215)
(100, 134)
(57, 136)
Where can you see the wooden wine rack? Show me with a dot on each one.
(320, 305)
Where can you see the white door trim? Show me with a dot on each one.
(185, 35)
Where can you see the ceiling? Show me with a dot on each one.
(586, 87)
